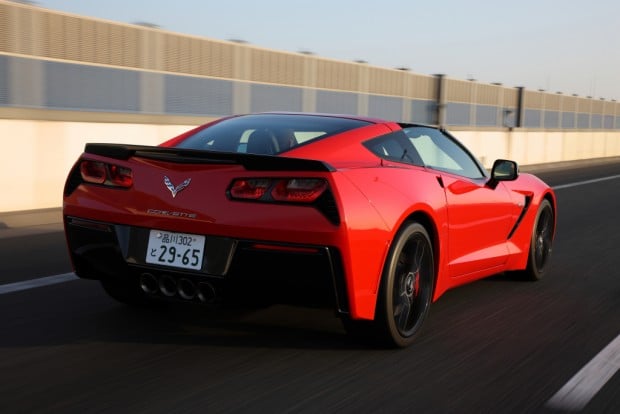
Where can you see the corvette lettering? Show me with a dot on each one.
(168, 213)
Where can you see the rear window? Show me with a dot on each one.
(267, 134)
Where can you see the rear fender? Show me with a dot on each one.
(376, 208)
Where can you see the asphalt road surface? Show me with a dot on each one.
(497, 345)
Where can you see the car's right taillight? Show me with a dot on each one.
(309, 191)
(299, 190)
(288, 190)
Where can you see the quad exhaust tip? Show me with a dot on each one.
(167, 285)
(185, 288)
(206, 292)
(148, 284)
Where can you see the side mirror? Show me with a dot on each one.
(503, 170)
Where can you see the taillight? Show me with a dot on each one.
(120, 176)
(289, 190)
(112, 175)
(299, 190)
(249, 189)
(93, 171)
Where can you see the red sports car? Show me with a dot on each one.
(373, 218)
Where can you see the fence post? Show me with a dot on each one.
(440, 103)
(520, 114)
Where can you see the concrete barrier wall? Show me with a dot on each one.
(538, 147)
(37, 155)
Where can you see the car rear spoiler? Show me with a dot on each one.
(253, 162)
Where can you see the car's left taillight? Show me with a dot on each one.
(110, 175)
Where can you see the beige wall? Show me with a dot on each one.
(37, 155)
(538, 147)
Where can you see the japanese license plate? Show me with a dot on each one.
(175, 249)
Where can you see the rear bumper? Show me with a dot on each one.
(240, 271)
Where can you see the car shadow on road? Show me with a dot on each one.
(85, 314)
(271, 327)
(80, 312)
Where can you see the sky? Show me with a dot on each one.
(568, 46)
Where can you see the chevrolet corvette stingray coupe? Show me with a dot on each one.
(375, 219)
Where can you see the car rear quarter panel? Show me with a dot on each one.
(375, 203)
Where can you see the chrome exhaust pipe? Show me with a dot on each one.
(148, 284)
(187, 289)
(206, 292)
(167, 285)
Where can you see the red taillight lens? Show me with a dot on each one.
(98, 172)
(289, 190)
(93, 171)
(249, 189)
(309, 192)
(121, 176)
(299, 190)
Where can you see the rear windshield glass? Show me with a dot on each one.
(267, 134)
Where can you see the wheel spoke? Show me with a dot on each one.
(402, 311)
(420, 249)
(545, 225)
(411, 266)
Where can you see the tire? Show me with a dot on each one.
(405, 293)
(126, 290)
(541, 243)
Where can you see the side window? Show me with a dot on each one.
(441, 152)
(394, 146)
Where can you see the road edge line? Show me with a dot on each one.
(34, 283)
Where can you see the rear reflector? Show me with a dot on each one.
(93, 225)
(282, 248)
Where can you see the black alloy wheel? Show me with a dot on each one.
(541, 244)
(407, 286)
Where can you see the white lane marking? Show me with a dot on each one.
(586, 383)
(34, 283)
(596, 180)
